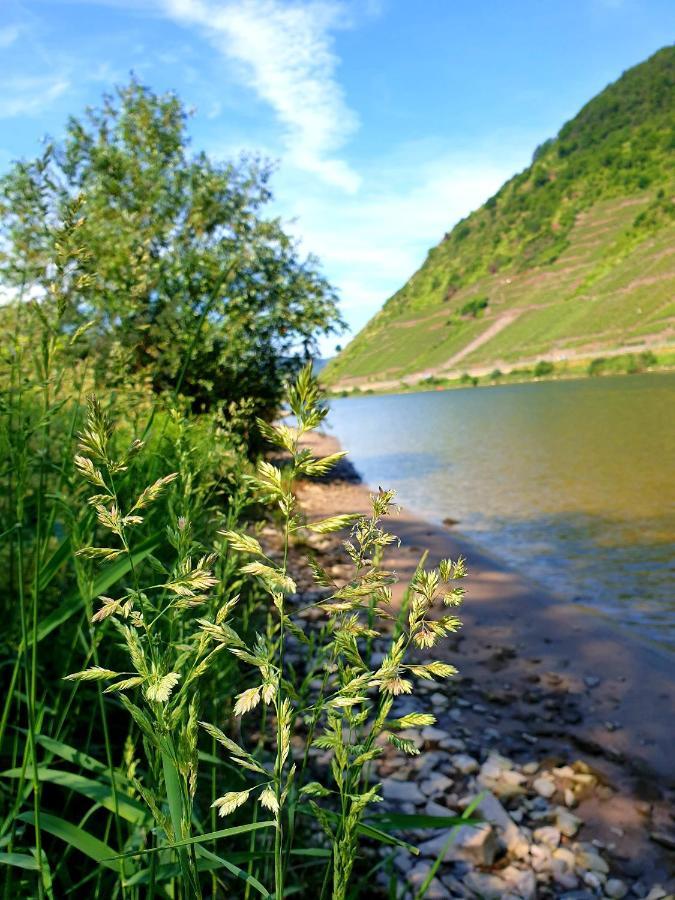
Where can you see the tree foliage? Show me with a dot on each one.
(186, 279)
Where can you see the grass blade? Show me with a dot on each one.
(20, 860)
(95, 790)
(75, 837)
(236, 871)
(463, 820)
(202, 838)
(74, 602)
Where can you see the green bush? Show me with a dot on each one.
(543, 367)
(474, 307)
(597, 366)
(187, 277)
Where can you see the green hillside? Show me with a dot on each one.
(572, 259)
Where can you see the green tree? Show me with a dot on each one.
(185, 278)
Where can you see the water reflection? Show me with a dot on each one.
(570, 481)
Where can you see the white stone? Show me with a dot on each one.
(566, 822)
(542, 858)
(485, 886)
(521, 883)
(436, 784)
(616, 889)
(587, 859)
(566, 856)
(548, 835)
(435, 809)
(493, 812)
(475, 844)
(464, 763)
(656, 893)
(544, 787)
(593, 880)
(431, 735)
(402, 791)
(417, 876)
(563, 874)
(455, 745)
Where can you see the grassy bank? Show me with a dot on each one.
(619, 364)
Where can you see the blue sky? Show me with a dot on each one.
(389, 119)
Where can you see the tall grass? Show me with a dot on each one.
(161, 667)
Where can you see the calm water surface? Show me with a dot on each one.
(571, 482)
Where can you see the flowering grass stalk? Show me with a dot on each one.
(352, 713)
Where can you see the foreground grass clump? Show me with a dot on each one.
(350, 712)
(148, 625)
(192, 644)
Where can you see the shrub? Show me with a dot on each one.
(597, 366)
(474, 307)
(543, 367)
(196, 287)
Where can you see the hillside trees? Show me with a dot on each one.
(185, 277)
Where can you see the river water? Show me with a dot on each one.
(571, 482)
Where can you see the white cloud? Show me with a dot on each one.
(371, 244)
(29, 95)
(283, 51)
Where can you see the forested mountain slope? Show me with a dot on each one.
(573, 257)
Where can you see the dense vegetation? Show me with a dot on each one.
(157, 668)
(184, 278)
(562, 247)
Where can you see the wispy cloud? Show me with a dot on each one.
(29, 95)
(8, 35)
(371, 244)
(284, 52)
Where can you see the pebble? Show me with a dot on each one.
(594, 880)
(615, 888)
(656, 893)
(521, 882)
(566, 822)
(435, 809)
(455, 745)
(402, 792)
(587, 859)
(476, 844)
(563, 874)
(487, 886)
(437, 784)
(570, 797)
(417, 876)
(545, 787)
(465, 764)
(547, 835)
(431, 735)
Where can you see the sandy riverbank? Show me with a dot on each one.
(541, 678)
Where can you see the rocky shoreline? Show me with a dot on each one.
(569, 811)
